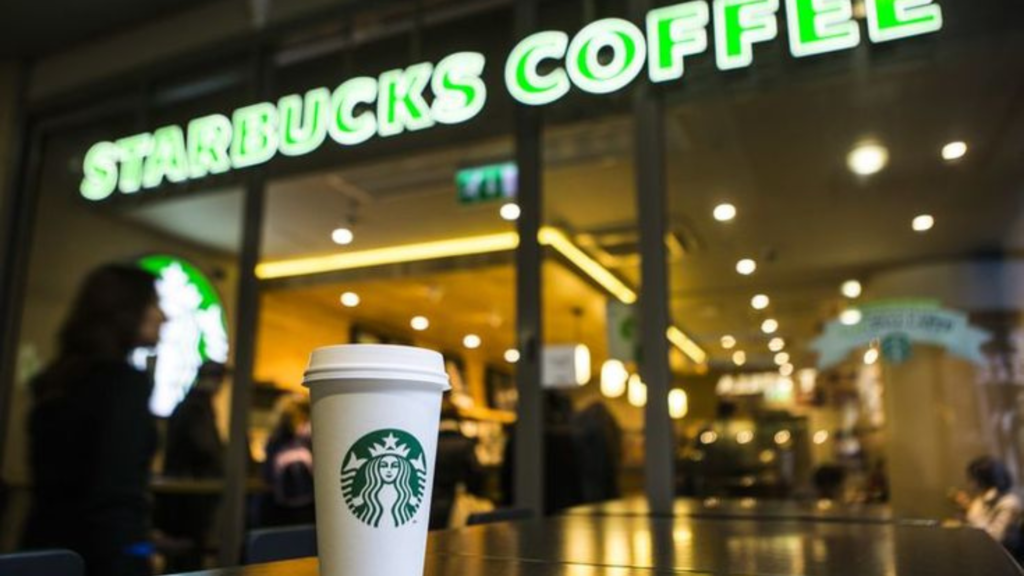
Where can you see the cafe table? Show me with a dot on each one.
(809, 510)
(580, 544)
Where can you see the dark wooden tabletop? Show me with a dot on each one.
(814, 510)
(609, 545)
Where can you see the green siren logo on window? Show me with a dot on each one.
(604, 56)
(384, 478)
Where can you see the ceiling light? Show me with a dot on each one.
(350, 299)
(739, 357)
(420, 323)
(686, 345)
(471, 341)
(851, 317)
(510, 212)
(581, 360)
(786, 370)
(342, 236)
(770, 326)
(511, 355)
(637, 394)
(776, 344)
(851, 289)
(782, 437)
(746, 266)
(954, 151)
(728, 342)
(613, 378)
(923, 223)
(678, 404)
(782, 358)
(820, 437)
(708, 437)
(867, 159)
(724, 212)
(744, 437)
(871, 356)
(760, 302)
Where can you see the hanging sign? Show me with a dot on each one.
(897, 326)
(452, 91)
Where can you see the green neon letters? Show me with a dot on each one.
(627, 45)
(675, 32)
(820, 26)
(739, 24)
(303, 121)
(604, 56)
(895, 19)
(522, 76)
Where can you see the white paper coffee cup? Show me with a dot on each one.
(376, 411)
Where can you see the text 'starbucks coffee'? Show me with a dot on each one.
(375, 418)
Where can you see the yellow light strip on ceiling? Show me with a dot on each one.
(557, 239)
(686, 345)
(471, 245)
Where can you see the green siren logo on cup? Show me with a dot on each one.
(384, 478)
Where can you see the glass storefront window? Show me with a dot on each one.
(854, 217)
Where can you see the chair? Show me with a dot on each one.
(43, 563)
(274, 544)
(499, 515)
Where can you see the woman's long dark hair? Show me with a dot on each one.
(103, 325)
(990, 473)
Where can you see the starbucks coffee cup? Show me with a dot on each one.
(376, 411)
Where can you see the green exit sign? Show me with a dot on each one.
(485, 183)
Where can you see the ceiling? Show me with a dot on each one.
(41, 27)
(778, 153)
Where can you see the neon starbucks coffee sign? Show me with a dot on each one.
(605, 56)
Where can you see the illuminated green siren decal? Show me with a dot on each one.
(396, 101)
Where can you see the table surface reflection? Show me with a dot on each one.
(817, 510)
(736, 546)
(609, 545)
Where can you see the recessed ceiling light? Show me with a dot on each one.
(744, 437)
(342, 236)
(350, 299)
(851, 317)
(510, 212)
(770, 326)
(954, 151)
(728, 342)
(471, 341)
(786, 370)
(923, 223)
(724, 212)
(782, 436)
(746, 266)
(821, 436)
(867, 159)
(511, 355)
(851, 289)
(420, 323)
(739, 357)
(760, 302)
(776, 344)
(782, 358)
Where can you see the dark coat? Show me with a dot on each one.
(90, 453)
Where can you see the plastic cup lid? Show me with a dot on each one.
(377, 362)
